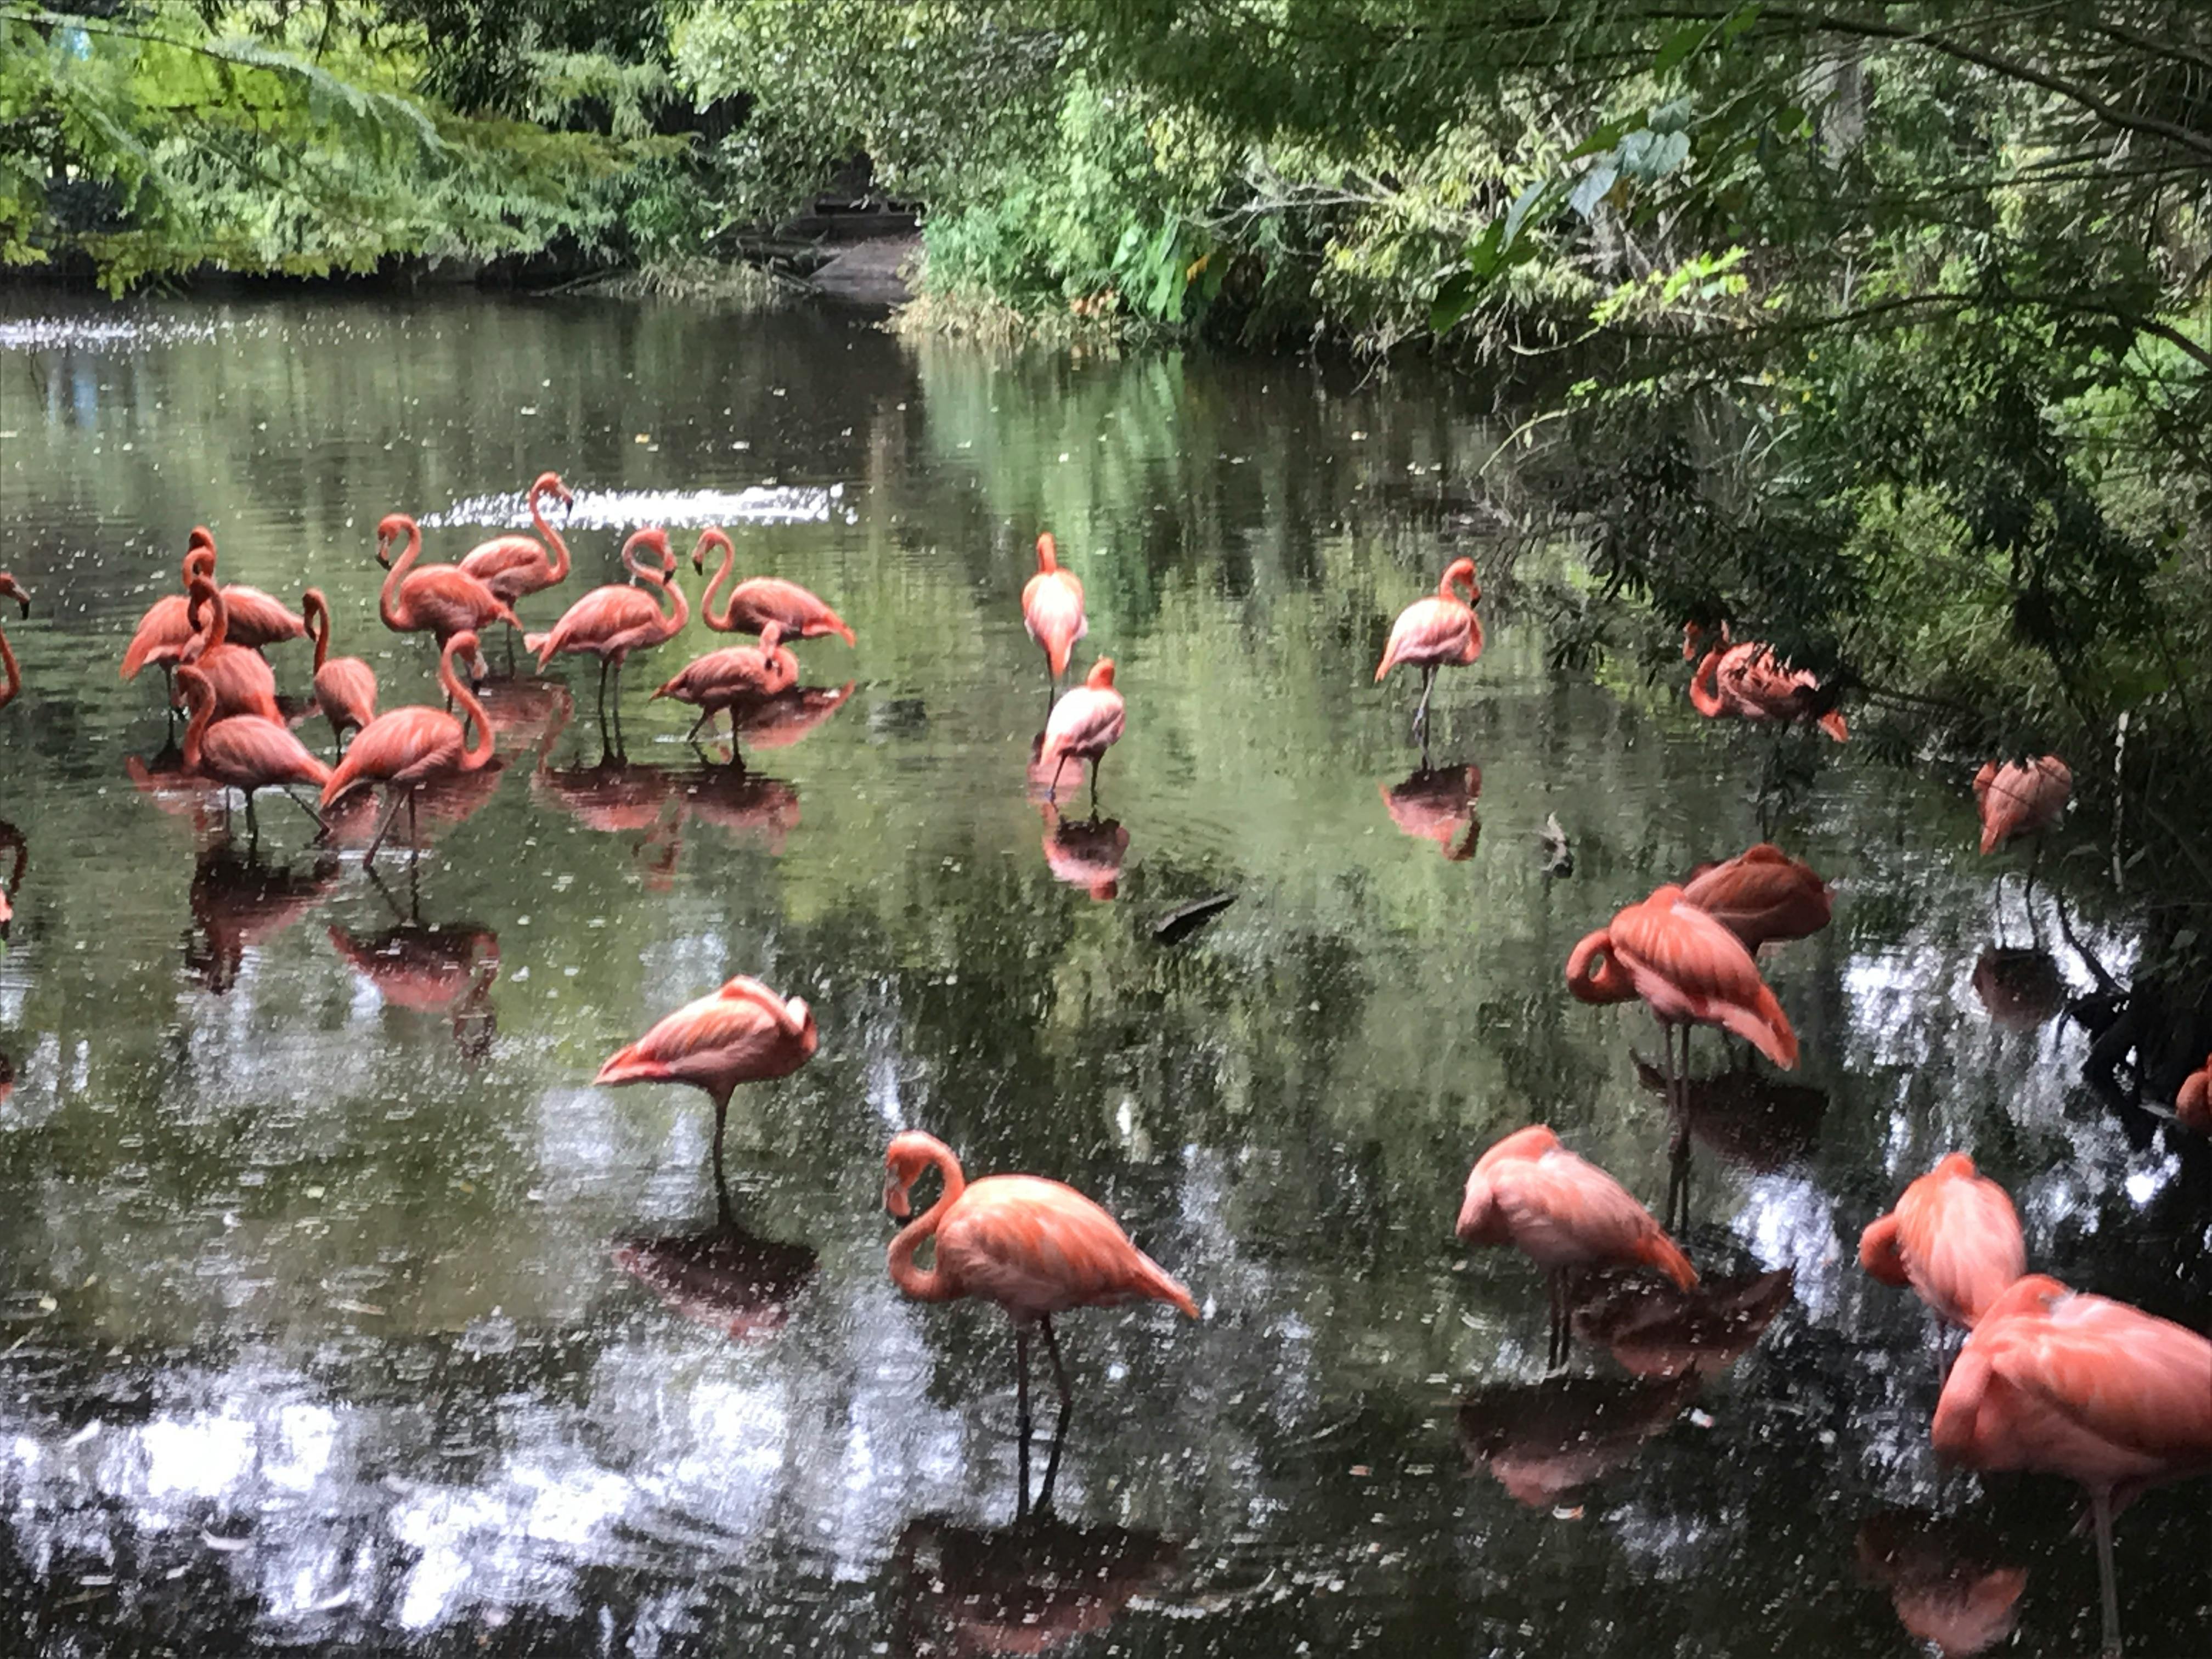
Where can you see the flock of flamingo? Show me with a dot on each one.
(2047, 1377)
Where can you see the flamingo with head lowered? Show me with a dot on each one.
(439, 599)
(735, 676)
(1084, 725)
(346, 687)
(1746, 680)
(759, 600)
(610, 622)
(1436, 631)
(1954, 1238)
(248, 753)
(513, 566)
(405, 749)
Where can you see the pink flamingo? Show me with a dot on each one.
(1954, 1238)
(735, 675)
(759, 600)
(1746, 680)
(2067, 1383)
(612, 622)
(10, 836)
(1563, 1212)
(2192, 1103)
(1034, 1247)
(2018, 800)
(1052, 607)
(1436, 631)
(513, 566)
(1761, 895)
(439, 599)
(247, 752)
(1084, 725)
(238, 677)
(166, 628)
(406, 748)
(11, 676)
(744, 1033)
(346, 687)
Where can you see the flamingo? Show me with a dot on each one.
(1436, 631)
(1949, 1587)
(238, 677)
(2018, 800)
(744, 1033)
(1084, 725)
(758, 600)
(405, 749)
(1690, 970)
(2192, 1103)
(1954, 1238)
(612, 622)
(166, 628)
(1563, 1212)
(10, 836)
(1760, 896)
(440, 600)
(1746, 680)
(1034, 1247)
(248, 753)
(2064, 1382)
(346, 687)
(513, 566)
(1052, 607)
(734, 674)
(11, 676)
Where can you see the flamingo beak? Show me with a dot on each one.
(895, 1204)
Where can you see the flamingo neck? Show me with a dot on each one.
(11, 676)
(672, 621)
(474, 757)
(548, 534)
(388, 601)
(1047, 556)
(1595, 973)
(1704, 689)
(933, 1284)
(319, 622)
(723, 623)
(192, 681)
(209, 635)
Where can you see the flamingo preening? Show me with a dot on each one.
(1052, 607)
(1954, 1238)
(1745, 680)
(1435, 632)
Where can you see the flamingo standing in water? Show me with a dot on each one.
(1746, 680)
(2192, 1103)
(1761, 895)
(759, 600)
(2054, 1380)
(439, 599)
(1436, 631)
(10, 836)
(1034, 1247)
(1690, 970)
(734, 674)
(346, 687)
(11, 676)
(2018, 800)
(744, 1033)
(1052, 607)
(1084, 725)
(1954, 1238)
(405, 748)
(1564, 1212)
(238, 677)
(166, 629)
(247, 752)
(612, 622)
(513, 566)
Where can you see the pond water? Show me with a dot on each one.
(338, 1309)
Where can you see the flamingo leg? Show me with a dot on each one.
(414, 835)
(1095, 761)
(391, 813)
(2100, 1506)
(1556, 1355)
(301, 804)
(1066, 1406)
(705, 714)
(721, 1098)
(1421, 713)
(252, 825)
(1052, 789)
(1022, 1412)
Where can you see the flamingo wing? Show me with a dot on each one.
(802, 613)
(1687, 965)
(445, 600)
(1761, 895)
(711, 1034)
(599, 622)
(1563, 1209)
(406, 745)
(1961, 1239)
(1037, 1247)
(345, 689)
(505, 559)
(255, 619)
(162, 633)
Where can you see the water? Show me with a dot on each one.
(338, 1310)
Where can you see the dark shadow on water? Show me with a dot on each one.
(1028, 1588)
(1653, 1329)
(1947, 1577)
(1543, 1442)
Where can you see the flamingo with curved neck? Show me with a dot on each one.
(440, 600)
(1434, 633)
(165, 630)
(11, 676)
(247, 752)
(513, 566)
(736, 676)
(1034, 1247)
(346, 687)
(610, 622)
(239, 677)
(758, 600)
(407, 748)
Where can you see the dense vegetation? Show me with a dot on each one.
(1880, 327)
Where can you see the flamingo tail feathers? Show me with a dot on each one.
(626, 1066)
(1835, 725)
(1157, 1282)
(1659, 1251)
(1765, 1026)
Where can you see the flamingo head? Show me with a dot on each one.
(462, 644)
(910, 1152)
(202, 540)
(392, 528)
(549, 483)
(713, 536)
(1101, 677)
(1595, 973)
(1461, 570)
(10, 588)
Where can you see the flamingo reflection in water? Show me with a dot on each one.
(2022, 989)
(1438, 805)
(1086, 852)
(1946, 1577)
(199, 801)
(746, 804)
(618, 797)
(240, 904)
(1747, 1117)
(1653, 1328)
(724, 1277)
(11, 840)
(1543, 1442)
(430, 968)
(784, 719)
(1024, 1588)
